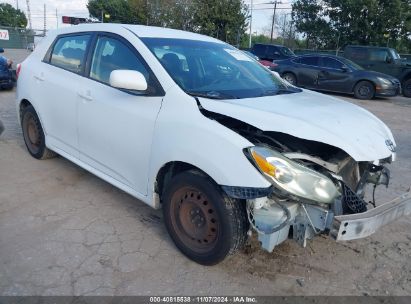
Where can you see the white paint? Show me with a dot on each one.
(129, 80)
(126, 139)
(313, 116)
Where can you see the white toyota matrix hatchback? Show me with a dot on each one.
(192, 125)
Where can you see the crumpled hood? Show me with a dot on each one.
(312, 116)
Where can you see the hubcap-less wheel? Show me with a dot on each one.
(194, 219)
(32, 134)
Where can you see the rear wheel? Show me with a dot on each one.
(406, 88)
(203, 222)
(364, 90)
(290, 77)
(33, 134)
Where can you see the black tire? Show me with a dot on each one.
(406, 88)
(290, 77)
(204, 223)
(33, 134)
(364, 90)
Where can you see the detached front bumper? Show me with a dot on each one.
(361, 225)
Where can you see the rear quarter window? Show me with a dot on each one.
(69, 52)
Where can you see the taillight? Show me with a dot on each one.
(18, 70)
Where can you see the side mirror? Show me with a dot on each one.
(1, 50)
(388, 59)
(128, 79)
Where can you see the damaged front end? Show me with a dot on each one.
(316, 188)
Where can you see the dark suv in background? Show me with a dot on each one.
(271, 52)
(382, 59)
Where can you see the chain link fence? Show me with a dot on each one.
(19, 38)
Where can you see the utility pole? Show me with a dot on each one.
(29, 14)
(102, 16)
(45, 20)
(17, 4)
(251, 22)
(272, 25)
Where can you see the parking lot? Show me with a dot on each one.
(64, 231)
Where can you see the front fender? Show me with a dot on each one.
(183, 134)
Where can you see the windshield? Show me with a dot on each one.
(215, 70)
(286, 51)
(350, 63)
(395, 54)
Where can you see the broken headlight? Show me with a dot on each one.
(292, 177)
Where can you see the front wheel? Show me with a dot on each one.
(364, 90)
(203, 222)
(406, 88)
(290, 77)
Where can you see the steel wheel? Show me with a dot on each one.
(203, 222)
(194, 219)
(31, 133)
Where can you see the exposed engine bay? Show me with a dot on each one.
(281, 214)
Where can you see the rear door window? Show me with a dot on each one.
(331, 63)
(273, 52)
(69, 52)
(310, 60)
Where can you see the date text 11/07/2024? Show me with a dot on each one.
(204, 299)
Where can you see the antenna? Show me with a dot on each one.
(29, 13)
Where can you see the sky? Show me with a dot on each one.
(262, 12)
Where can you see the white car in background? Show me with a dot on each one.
(190, 124)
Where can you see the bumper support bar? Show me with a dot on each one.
(360, 225)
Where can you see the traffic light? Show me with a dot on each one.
(74, 20)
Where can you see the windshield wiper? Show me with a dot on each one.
(212, 95)
(280, 91)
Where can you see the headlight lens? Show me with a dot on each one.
(292, 177)
(384, 81)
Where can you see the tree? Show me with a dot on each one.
(9, 16)
(223, 19)
(335, 23)
(120, 11)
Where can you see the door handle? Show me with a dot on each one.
(86, 97)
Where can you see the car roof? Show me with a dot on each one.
(142, 31)
(319, 55)
(367, 47)
(277, 45)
